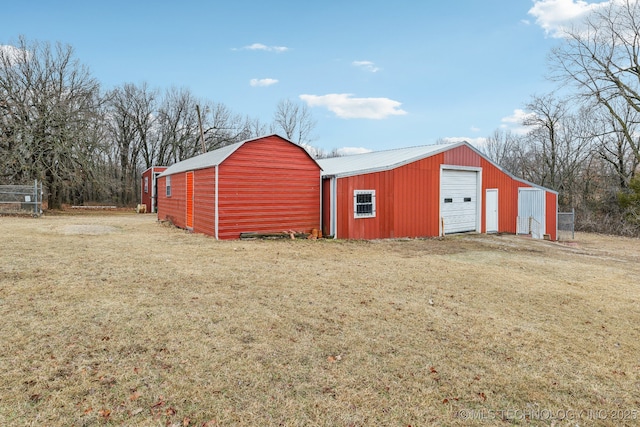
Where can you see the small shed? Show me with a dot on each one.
(149, 188)
(430, 191)
(262, 185)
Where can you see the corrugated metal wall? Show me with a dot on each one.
(173, 208)
(408, 198)
(204, 209)
(145, 196)
(552, 215)
(267, 185)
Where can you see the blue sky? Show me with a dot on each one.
(375, 74)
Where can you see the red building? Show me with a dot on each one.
(264, 185)
(149, 188)
(430, 191)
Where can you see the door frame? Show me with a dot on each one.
(486, 210)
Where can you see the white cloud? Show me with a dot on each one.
(558, 16)
(260, 46)
(514, 122)
(13, 54)
(262, 82)
(347, 107)
(475, 129)
(366, 65)
(346, 151)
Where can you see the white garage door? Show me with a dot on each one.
(459, 200)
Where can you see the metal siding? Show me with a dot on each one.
(189, 200)
(204, 201)
(365, 228)
(268, 185)
(411, 197)
(531, 203)
(507, 187)
(552, 215)
(172, 208)
(462, 156)
(416, 205)
(145, 198)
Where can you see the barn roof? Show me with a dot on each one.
(216, 157)
(378, 161)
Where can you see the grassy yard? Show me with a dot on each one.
(119, 320)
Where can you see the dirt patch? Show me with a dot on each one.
(90, 229)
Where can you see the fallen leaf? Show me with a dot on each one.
(331, 359)
(170, 412)
(136, 411)
(104, 413)
(433, 370)
(134, 396)
(88, 410)
(186, 421)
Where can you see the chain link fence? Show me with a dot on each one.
(566, 225)
(21, 199)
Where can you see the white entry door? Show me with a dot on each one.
(491, 211)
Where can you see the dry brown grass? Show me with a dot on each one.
(119, 320)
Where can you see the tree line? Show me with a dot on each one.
(582, 140)
(86, 145)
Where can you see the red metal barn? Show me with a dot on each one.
(430, 191)
(265, 185)
(149, 187)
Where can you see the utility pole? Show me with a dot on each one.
(204, 148)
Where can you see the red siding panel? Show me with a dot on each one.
(552, 215)
(189, 201)
(417, 207)
(173, 208)
(268, 185)
(204, 201)
(462, 156)
(408, 198)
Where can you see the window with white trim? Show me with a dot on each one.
(364, 203)
(146, 184)
(169, 186)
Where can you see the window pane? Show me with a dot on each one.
(364, 198)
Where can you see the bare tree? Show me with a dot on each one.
(49, 101)
(615, 129)
(602, 58)
(295, 121)
(503, 147)
(556, 146)
(131, 126)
